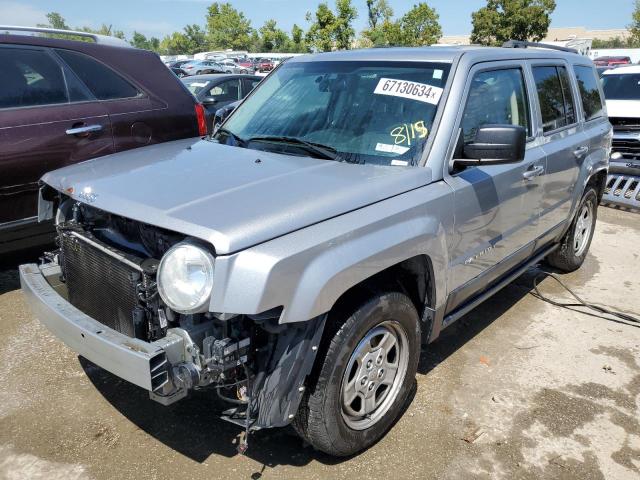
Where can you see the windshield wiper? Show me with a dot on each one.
(240, 141)
(318, 149)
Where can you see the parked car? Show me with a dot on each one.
(201, 67)
(178, 63)
(351, 208)
(218, 91)
(178, 72)
(247, 63)
(622, 93)
(65, 101)
(265, 65)
(611, 61)
(230, 66)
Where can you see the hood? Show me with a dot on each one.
(623, 108)
(232, 197)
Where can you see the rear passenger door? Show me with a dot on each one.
(136, 118)
(48, 119)
(496, 206)
(563, 141)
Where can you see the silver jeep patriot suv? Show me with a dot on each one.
(353, 206)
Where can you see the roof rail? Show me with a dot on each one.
(99, 39)
(523, 44)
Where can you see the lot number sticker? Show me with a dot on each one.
(412, 90)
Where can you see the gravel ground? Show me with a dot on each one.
(516, 389)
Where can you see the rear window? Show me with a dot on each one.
(554, 93)
(103, 82)
(621, 86)
(30, 77)
(589, 92)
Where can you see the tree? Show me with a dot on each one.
(343, 27)
(56, 21)
(191, 40)
(378, 10)
(228, 28)
(502, 20)
(634, 28)
(420, 26)
(273, 39)
(298, 45)
(321, 32)
(379, 15)
(104, 30)
(196, 38)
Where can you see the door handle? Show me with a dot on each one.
(581, 151)
(534, 172)
(84, 130)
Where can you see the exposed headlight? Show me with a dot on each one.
(185, 278)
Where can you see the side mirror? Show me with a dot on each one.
(209, 100)
(222, 114)
(495, 145)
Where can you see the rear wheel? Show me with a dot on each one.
(365, 373)
(574, 246)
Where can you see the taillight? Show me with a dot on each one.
(202, 120)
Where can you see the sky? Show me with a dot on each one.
(160, 17)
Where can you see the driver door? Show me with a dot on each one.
(497, 207)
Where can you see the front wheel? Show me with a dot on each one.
(365, 373)
(574, 246)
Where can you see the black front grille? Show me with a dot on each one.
(99, 284)
(624, 124)
(629, 148)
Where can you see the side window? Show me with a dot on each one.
(103, 82)
(228, 91)
(589, 92)
(554, 94)
(495, 97)
(569, 105)
(30, 77)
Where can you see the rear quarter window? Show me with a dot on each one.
(592, 103)
(104, 83)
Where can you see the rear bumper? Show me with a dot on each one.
(146, 365)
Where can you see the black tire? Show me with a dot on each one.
(320, 419)
(243, 72)
(568, 258)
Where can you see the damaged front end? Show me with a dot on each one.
(99, 293)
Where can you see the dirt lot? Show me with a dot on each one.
(517, 389)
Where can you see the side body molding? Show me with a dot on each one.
(306, 271)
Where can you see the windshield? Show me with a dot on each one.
(195, 86)
(366, 112)
(622, 86)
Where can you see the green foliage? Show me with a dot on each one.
(420, 26)
(379, 14)
(191, 40)
(58, 22)
(616, 42)
(273, 38)
(378, 10)
(343, 27)
(502, 20)
(320, 35)
(329, 30)
(228, 28)
(634, 28)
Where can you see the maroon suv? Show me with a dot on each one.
(64, 101)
